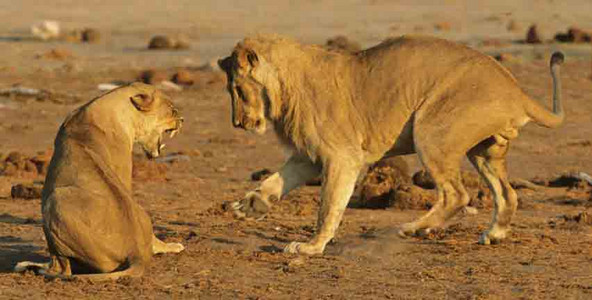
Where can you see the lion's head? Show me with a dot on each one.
(251, 83)
(158, 116)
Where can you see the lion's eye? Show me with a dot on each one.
(240, 93)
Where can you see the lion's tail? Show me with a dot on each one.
(541, 115)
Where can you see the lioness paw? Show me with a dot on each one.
(303, 248)
(252, 207)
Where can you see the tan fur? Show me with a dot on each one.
(89, 216)
(339, 111)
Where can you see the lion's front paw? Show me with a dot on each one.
(251, 207)
(412, 229)
(303, 248)
(175, 247)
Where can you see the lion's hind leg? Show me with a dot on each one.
(489, 158)
(441, 155)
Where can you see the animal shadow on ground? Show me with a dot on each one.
(15, 249)
(377, 244)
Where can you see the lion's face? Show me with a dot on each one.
(158, 116)
(248, 94)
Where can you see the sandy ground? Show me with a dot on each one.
(547, 255)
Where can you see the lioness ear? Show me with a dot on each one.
(142, 102)
(247, 57)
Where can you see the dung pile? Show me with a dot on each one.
(16, 164)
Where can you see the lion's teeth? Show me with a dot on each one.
(162, 146)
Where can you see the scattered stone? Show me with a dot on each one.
(168, 86)
(173, 157)
(152, 76)
(581, 218)
(26, 191)
(505, 57)
(56, 53)
(90, 35)
(442, 26)
(46, 30)
(579, 180)
(183, 77)
(160, 42)
(520, 183)
(20, 92)
(574, 35)
(533, 36)
(342, 43)
(513, 26)
(260, 175)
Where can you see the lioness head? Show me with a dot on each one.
(158, 116)
(249, 81)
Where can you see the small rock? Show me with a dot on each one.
(152, 76)
(513, 26)
(574, 35)
(10, 169)
(161, 42)
(166, 42)
(26, 191)
(505, 57)
(56, 53)
(533, 35)
(90, 35)
(15, 157)
(46, 30)
(183, 77)
(169, 86)
(442, 26)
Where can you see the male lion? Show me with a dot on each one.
(89, 216)
(412, 94)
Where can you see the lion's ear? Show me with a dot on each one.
(142, 102)
(247, 57)
(225, 64)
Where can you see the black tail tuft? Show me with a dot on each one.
(557, 58)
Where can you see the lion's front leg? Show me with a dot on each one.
(295, 172)
(159, 246)
(339, 180)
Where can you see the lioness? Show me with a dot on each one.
(413, 94)
(89, 216)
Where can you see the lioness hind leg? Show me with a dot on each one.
(295, 172)
(489, 158)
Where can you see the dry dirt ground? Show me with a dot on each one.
(548, 255)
